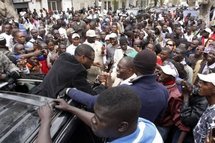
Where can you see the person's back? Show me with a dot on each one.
(153, 95)
(59, 73)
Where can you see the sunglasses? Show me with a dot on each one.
(90, 58)
(169, 44)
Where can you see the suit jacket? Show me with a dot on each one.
(66, 72)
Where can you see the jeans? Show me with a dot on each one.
(169, 134)
(164, 131)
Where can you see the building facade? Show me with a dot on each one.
(52, 4)
(76, 4)
(79, 4)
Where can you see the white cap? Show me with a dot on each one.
(107, 37)
(212, 23)
(207, 78)
(160, 18)
(91, 33)
(181, 23)
(170, 70)
(112, 35)
(208, 30)
(75, 35)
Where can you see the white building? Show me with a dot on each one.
(52, 4)
(64, 4)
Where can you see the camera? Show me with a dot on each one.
(195, 90)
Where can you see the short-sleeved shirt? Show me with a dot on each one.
(203, 126)
(146, 132)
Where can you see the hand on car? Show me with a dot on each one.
(45, 113)
(63, 92)
(15, 74)
(3, 76)
(61, 104)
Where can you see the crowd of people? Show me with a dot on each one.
(148, 78)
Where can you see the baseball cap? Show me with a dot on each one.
(70, 31)
(107, 37)
(113, 35)
(208, 30)
(91, 33)
(212, 23)
(207, 78)
(169, 70)
(75, 35)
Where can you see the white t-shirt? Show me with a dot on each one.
(71, 49)
(62, 32)
(9, 40)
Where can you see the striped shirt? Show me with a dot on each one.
(146, 132)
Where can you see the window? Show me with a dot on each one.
(52, 5)
(105, 5)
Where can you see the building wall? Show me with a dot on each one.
(116, 4)
(66, 4)
(79, 4)
(34, 5)
(174, 2)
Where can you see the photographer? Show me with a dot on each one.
(206, 121)
(192, 108)
(170, 125)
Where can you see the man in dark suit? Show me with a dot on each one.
(69, 71)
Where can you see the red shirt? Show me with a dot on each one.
(172, 115)
(159, 61)
(212, 36)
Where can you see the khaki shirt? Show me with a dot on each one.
(6, 66)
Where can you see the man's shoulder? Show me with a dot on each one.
(3, 34)
(145, 132)
(154, 86)
(117, 50)
(98, 44)
(163, 89)
(1, 54)
(71, 46)
(66, 55)
(69, 61)
(151, 133)
(82, 22)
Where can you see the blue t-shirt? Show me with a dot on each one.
(146, 132)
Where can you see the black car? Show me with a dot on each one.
(19, 120)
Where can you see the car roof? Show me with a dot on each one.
(19, 120)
